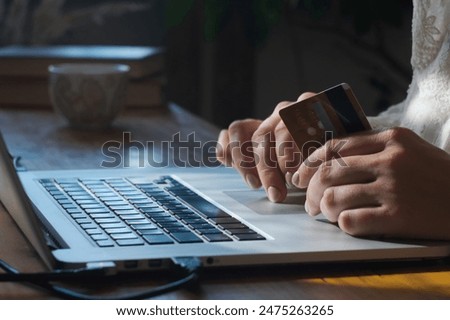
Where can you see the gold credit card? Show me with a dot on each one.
(329, 114)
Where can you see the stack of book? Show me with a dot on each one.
(24, 72)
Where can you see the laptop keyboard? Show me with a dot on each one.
(116, 212)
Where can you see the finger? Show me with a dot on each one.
(363, 222)
(265, 156)
(333, 174)
(223, 153)
(337, 149)
(241, 147)
(345, 197)
(306, 95)
(267, 165)
(287, 152)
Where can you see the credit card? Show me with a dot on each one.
(329, 114)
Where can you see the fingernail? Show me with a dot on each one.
(288, 178)
(252, 181)
(274, 194)
(306, 207)
(295, 179)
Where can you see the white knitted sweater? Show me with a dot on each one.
(426, 109)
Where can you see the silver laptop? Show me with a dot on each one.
(137, 219)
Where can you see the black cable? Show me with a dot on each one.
(190, 268)
(13, 275)
(71, 294)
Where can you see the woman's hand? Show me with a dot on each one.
(385, 184)
(262, 151)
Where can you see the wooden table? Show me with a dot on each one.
(43, 141)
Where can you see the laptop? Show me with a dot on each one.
(140, 219)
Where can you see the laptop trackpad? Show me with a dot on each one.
(257, 201)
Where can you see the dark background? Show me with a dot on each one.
(231, 59)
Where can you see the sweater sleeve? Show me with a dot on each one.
(389, 118)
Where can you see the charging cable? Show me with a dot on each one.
(188, 268)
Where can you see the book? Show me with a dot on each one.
(33, 92)
(33, 61)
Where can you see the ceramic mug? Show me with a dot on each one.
(88, 95)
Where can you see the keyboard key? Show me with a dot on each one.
(146, 226)
(92, 206)
(87, 201)
(99, 210)
(186, 211)
(233, 226)
(73, 211)
(65, 201)
(225, 220)
(108, 198)
(127, 194)
(100, 236)
(102, 215)
(94, 231)
(159, 214)
(132, 217)
(246, 237)
(127, 212)
(89, 182)
(85, 197)
(129, 235)
(77, 193)
(106, 194)
(184, 216)
(87, 226)
(137, 198)
(125, 189)
(83, 220)
(203, 225)
(162, 214)
(137, 222)
(217, 237)
(241, 231)
(130, 242)
(118, 230)
(60, 197)
(69, 206)
(63, 181)
(46, 181)
(116, 202)
(79, 215)
(121, 207)
(186, 237)
(208, 231)
(107, 220)
(176, 229)
(171, 225)
(143, 202)
(100, 189)
(205, 207)
(112, 225)
(164, 219)
(150, 232)
(105, 243)
(193, 220)
(157, 239)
